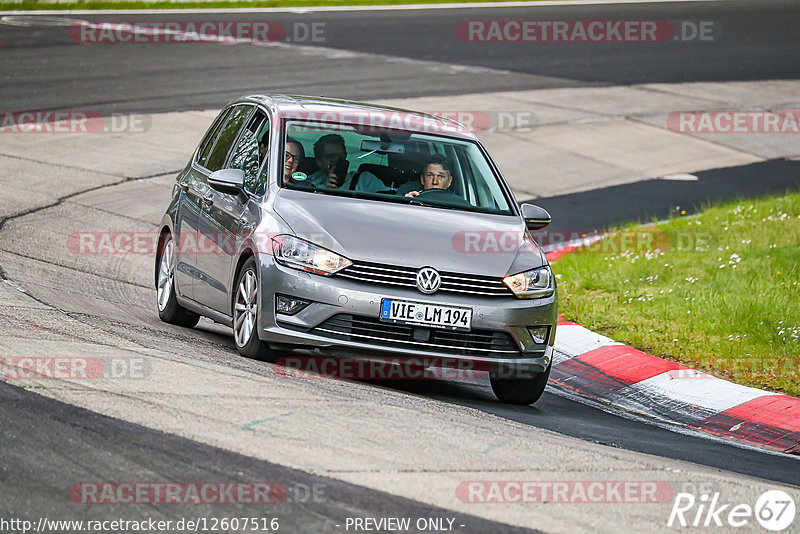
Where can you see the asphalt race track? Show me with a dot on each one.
(84, 436)
(754, 41)
(347, 437)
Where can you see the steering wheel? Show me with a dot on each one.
(434, 192)
(443, 196)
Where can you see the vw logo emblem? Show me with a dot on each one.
(428, 280)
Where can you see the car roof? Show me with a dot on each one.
(319, 107)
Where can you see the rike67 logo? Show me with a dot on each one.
(774, 510)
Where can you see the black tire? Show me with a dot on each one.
(523, 391)
(245, 311)
(169, 310)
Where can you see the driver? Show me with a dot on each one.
(436, 175)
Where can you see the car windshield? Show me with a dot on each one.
(391, 166)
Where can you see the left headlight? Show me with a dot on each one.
(533, 284)
(305, 256)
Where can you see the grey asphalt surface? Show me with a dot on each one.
(657, 199)
(44, 70)
(559, 414)
(37, 477)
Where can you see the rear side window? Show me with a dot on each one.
(225, 137)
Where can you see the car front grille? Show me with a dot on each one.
(390, 275)
(484, 343)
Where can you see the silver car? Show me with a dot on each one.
(343, 229)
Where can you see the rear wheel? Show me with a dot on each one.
(169, 310)
(521, 390)
(245, 314)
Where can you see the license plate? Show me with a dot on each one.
(422, 314)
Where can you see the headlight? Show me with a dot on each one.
(300, 254)
(533, 284)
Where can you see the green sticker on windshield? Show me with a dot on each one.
(299, 176)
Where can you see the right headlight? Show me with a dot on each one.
(305, 256)
(533, 284)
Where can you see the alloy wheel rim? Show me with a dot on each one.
(166, 275)
(244, 310)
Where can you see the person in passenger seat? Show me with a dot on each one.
(329, 151)
(292, 158)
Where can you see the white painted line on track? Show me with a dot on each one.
(194, 36)
(331, 9)
(26, 21)
(680, 177)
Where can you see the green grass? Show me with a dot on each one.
(193, 5)
(719, 292)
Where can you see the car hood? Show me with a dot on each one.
(409, 235)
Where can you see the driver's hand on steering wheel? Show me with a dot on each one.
(412, 194)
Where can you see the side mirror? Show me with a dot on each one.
(229, 181)
(535, 217)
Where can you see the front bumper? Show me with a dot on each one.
(342, 320)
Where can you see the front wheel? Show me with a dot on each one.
(245, 314)
(169, 310)
(521, 390)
